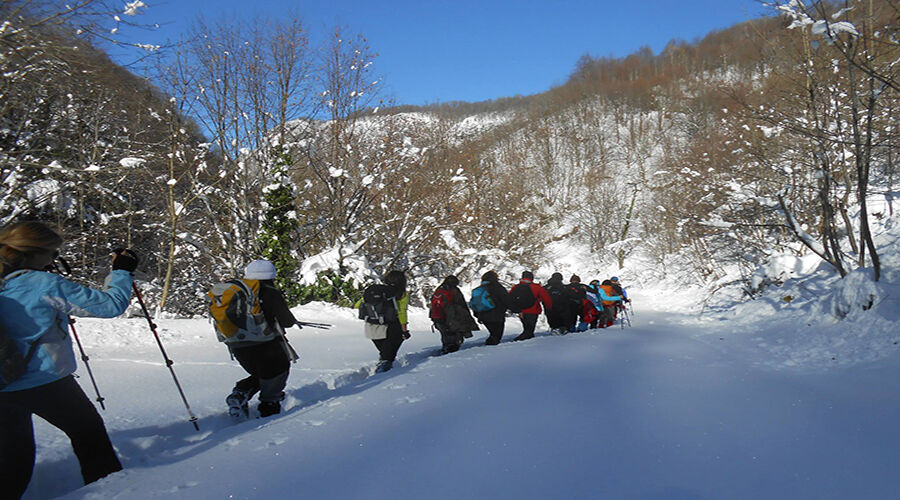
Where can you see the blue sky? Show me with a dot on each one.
(470, 50)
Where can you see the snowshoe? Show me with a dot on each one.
(268, 408)
(237, 405)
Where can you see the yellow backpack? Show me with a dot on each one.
(236, 312)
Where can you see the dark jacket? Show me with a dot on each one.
(500, 297)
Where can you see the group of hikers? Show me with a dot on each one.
(569, 307)
(250, 314)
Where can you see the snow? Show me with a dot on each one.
(795, 394)
(132, 162)
(673, 407)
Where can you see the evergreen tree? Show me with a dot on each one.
(280, 229)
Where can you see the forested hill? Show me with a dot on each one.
(709, 158)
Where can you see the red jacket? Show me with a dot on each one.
(540, 295)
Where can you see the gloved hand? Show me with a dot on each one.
(125, 259)
(406, 335)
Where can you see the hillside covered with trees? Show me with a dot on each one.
(248, 139)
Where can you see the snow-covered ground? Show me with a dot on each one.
(674, 407)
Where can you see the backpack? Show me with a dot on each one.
(379, 305)
(236, 312)
(481, 299)
(521, 297)
(439, 300)
(12, 362)
(558, 295)
(577, 293)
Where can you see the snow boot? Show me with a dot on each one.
(492, 341)
(268, 408)
(383, 366)
(237, 405)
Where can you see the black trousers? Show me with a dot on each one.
(388, 347)
(268, 364)
(529, 322)
(65, 406)
(495, 329)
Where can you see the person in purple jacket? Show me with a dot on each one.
(35, 306)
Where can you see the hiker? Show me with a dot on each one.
(383, 307)
(608, 298)
(450, 315)
(489, 304)
(592, 295)
(583, 311)
(560, 313)
(526, 298)
(267, 361)
(576, 292)
(34, 313)
(617, 287)
(619, 290)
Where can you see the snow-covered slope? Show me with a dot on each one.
(671, 407)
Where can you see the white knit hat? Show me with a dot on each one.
(259, 270)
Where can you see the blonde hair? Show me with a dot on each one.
(21, 240)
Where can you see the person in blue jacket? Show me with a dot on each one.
(35, 306)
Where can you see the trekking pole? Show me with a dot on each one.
(625, 317)
(323, 326)
(65, 271)
(169, 362)
(87, 364)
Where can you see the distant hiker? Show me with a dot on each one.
(592, 295)
(489, 303)
(617, 287)
(383, 307)
(34, 331)
(450, 315)
(526, 298)
(559, 315)
(258, 343)
(576, 292)
(608, 297)
(619, 290)
(583, 311)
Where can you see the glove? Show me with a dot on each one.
(406, 335)
(125, 259)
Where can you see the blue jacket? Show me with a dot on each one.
(34, 307)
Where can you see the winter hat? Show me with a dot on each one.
(259, 270)
(614, 279)
(528, 275)
(556, 276)
(490, 276)
(575, 279)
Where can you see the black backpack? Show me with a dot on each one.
(12, 361)
(379, 305)
(576, 293)
(558, 295)
(521, 297)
